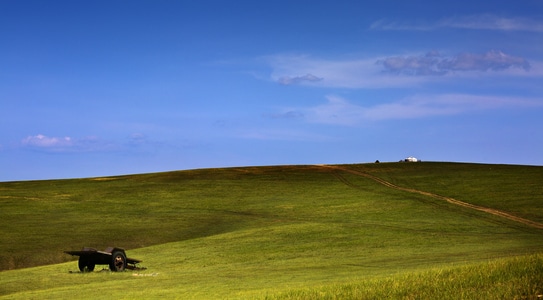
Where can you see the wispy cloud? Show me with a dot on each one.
(65, 144)
(492, 22)
(288, 114)
(474, 22)
(43, 141)
(395, 71)
(354, 73)
(286, 80)
(134, 143)
(339, 111)
(434, 64)
(384, 24)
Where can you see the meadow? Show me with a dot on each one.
(280, 232)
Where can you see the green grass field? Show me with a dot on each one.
(284, 232)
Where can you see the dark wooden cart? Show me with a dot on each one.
(112, 256)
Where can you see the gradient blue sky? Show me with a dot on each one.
(96, 88)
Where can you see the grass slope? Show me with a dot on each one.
(261, 231)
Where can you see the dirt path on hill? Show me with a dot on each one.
(448, 199)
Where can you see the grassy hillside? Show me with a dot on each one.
(253, 231)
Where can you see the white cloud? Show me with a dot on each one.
(435, 64)
(287, 80)
(473, 22)
(42, 141)
(355, 73)
(338, 111)
(397, 71)
(66, 144)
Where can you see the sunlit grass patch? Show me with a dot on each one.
(511, 278)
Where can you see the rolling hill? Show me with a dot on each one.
(260, 231)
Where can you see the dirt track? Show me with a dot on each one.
(450, 200)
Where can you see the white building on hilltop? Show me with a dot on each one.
(411, 159)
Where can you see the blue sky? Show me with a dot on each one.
(97, 88)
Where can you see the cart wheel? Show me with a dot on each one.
(118, 261)
(90, 266)
(85, 264)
